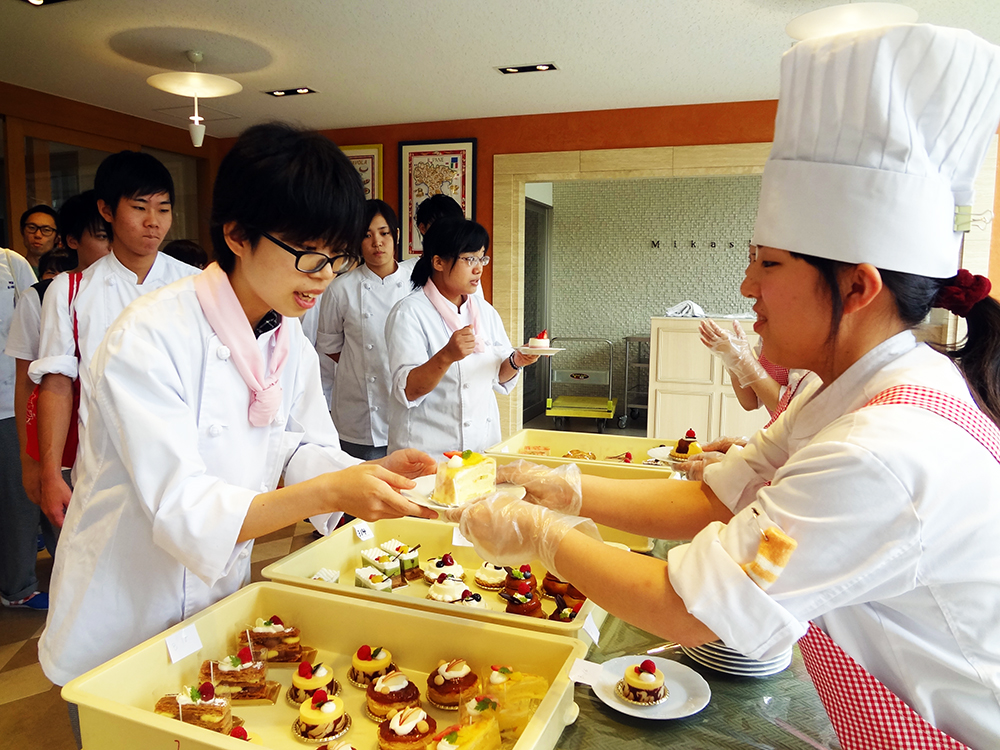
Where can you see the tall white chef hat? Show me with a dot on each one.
(878, 138)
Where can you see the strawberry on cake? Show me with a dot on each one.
(445, 564)
(643, 684)
(322, 717)
(198, 706)
(308, 679)
(516, 576)
(541, 341)
(239, 677)
(273, 640)
(368, 664)
(523, 602)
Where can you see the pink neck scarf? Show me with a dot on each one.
(229, 321)
(449, 314)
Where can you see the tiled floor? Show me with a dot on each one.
(32, 713)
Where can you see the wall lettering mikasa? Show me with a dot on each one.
(655, 244)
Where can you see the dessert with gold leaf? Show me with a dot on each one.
(390, 694)
(686, 447)
(273, 640)
(368, 664)
(198, 706)
(322, 717)
(450, 683)
(409, 729)
(465, 476)
(643, 684)
(309, 678)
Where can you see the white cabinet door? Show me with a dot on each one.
(677, 411)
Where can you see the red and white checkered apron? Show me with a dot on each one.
(863, 711)
(777, 372)
(782, 404)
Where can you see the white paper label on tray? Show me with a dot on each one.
(183, 643)
(585, 672)
(591, 629)
(364, 531)
(457, 540)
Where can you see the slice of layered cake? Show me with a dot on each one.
(464, 477)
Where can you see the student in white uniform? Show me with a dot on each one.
(886, 473)
(352, 319)
(135, 194)
(448, 350)
(204, 394)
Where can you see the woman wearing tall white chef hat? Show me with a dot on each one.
(881, 483)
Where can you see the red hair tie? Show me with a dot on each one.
(962, 293)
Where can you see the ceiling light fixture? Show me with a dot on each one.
(837, 19)
(43, 2)
(533, 68)
(291, 92)
(197, 86)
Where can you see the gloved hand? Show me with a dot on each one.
(715, 451)
(507, 531)
(734, 350)
(559, 489)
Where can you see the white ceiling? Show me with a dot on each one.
(377, 62)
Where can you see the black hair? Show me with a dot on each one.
(41, 208)
(436, 207)
(374, 207)
(977, 356)
(131, 174)
(447, 239)
(186, 251)
(78, 214)
(58, 259)
(295, 183)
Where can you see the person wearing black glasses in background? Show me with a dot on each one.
(40, 232)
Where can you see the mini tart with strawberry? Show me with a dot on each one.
(564, 612)
(516, 576)
(446, 564)
(409, 729)
(368, 664)
(523, 602)
(643, 684)
(490, 577)
(322, 717)
(391, 693)
(450, 683)
(552, 586)
(308, 679)
(240, 733)
(273, 640)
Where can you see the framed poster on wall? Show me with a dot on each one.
(429, 168)
(368, 161)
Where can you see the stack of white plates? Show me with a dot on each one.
(721, 658)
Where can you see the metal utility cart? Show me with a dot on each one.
(636, 378)
(598, 408)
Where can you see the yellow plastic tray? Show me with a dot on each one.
(116, 699)
(341, 551)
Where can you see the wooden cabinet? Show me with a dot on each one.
(689, 387)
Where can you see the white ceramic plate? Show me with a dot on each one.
(689, 693)
(540, 352)
(422, 494)
(661, 454)
(740, 670)
(726, 655)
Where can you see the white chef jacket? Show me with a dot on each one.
(106, 288)
(25, 327)
(461, 413)
(327, 367)
(896, 512)
(165, 476)
(16, 276)
(353, 312)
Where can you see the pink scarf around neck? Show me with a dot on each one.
(226, 316)
(449, 314)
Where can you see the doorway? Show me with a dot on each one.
(537, 246)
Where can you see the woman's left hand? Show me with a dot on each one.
(409, 462)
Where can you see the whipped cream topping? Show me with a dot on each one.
(226, 665)
(391, 683)
(395, 547)
(450, 588)
(497, 678)
(184, 699)
(646, 677)
(491, 573)
(321, 671)
(406, 720)
(455, 462)
(452, 570)
(260, 627)
(329, 707)
(454, 669)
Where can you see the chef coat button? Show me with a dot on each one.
(368, 286)
(243, 555)
(223, 352)
(215, 430)
(263, 487)
(488, 419)
(374, 408)
(371, 346)
(368, 315)
(468, 424)
(372, 378)
(465, 386)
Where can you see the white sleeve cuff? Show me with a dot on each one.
(733, 480)
(62, 364)
(399, 387)
(326, 523)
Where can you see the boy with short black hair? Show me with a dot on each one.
(135, 194)
(206, 393)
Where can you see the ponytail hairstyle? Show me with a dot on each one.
(977, 356)
(448, 239)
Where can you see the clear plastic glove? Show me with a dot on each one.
(507, 531)
(715, 451)
(559, 489)
(734, 350)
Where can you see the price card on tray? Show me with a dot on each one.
(585, 672)
(183, 643)
(364, 531)
(457, 540)
(591, 629)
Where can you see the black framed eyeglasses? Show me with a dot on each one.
(309, 261)
(40, 228)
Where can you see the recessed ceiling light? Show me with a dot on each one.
(43, 2)
(534, 68)
(291, 92)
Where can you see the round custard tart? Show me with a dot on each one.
(321, 718)
(445, 564)
(490, 576)
(552, 586)
(450, 682)
(308, 679)
(368, 664)
(409, 729)
(390, 694)
(642, 684)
